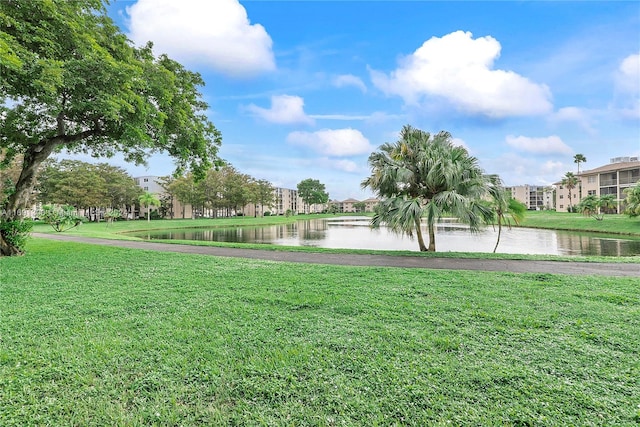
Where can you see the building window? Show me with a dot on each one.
(591, 192)
(146, 188)
(561, 206)
(591, 179)
(146, 180)
(561, 197)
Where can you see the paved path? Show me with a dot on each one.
(514, 266)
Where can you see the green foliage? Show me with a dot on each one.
(61, 219)
(579, 158)
(76, 83)
(570, 182)
(632, 200)
(424, 175)
(148, 200)
(16, 233)
(112, 215)
(312, 192)
(595, 206)
(504, 208)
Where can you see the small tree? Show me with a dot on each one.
(61, 219)
(360, 206)
(570, 181)
(595, 206)
(505, 208)
(148, 200)
(632, 200)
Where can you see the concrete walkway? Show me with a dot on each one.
(514, 266)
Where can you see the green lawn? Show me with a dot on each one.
(617, 224)
(93, 335)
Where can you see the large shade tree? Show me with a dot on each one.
(426, 176)
(312, 192)
(72, 81)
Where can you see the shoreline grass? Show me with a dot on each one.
(98, 335)
(544, 219)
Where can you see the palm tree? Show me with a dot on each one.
(579, 158)
(505, 208)
(424, 175)
(570, 181)
(148, 200)
(632, 200)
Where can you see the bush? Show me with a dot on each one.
(267, 213)
(16, 232)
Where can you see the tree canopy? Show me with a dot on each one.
(424, 175)
(71, 80)
(312, 192)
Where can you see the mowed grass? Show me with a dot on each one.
(93, 335)
(615, 224)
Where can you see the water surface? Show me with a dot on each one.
(451, 236)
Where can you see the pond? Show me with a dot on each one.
(451, 236)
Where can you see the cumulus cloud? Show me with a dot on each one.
(333, 142)
(284, 109)
(628, 86)
(459, 68)
(574, 114)
(349, 80)
(216, 34)
(545, 145)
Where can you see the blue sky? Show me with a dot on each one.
(303, 89)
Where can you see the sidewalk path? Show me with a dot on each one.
(513, 266)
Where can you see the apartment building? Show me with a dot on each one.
(352, 205)
(613, 178)
(533, 196)
(151, 184)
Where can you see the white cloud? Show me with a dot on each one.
(333, 142)
(546, 145)
(574, 114)
(460, 143)
(458, 68)
(628, 86)
(284, 109)
(349, 80)
(343, 165)
(216, 34)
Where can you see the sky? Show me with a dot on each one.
(309, 89)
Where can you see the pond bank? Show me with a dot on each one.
(513, 266)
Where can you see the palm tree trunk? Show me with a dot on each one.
(423, 248)
(432, 238)
(148, 213)
(499, 233)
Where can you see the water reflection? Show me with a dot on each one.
(354, 233)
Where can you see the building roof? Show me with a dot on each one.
(612, 167)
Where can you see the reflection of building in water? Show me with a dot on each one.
(591, 245)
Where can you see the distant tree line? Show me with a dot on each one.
(99, 188)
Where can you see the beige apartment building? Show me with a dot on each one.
(349, 205)
(613, 178)
(535, 197)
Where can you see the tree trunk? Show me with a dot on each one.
(423, 248)
(499, 233)
(432, 238)
(18, 201)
